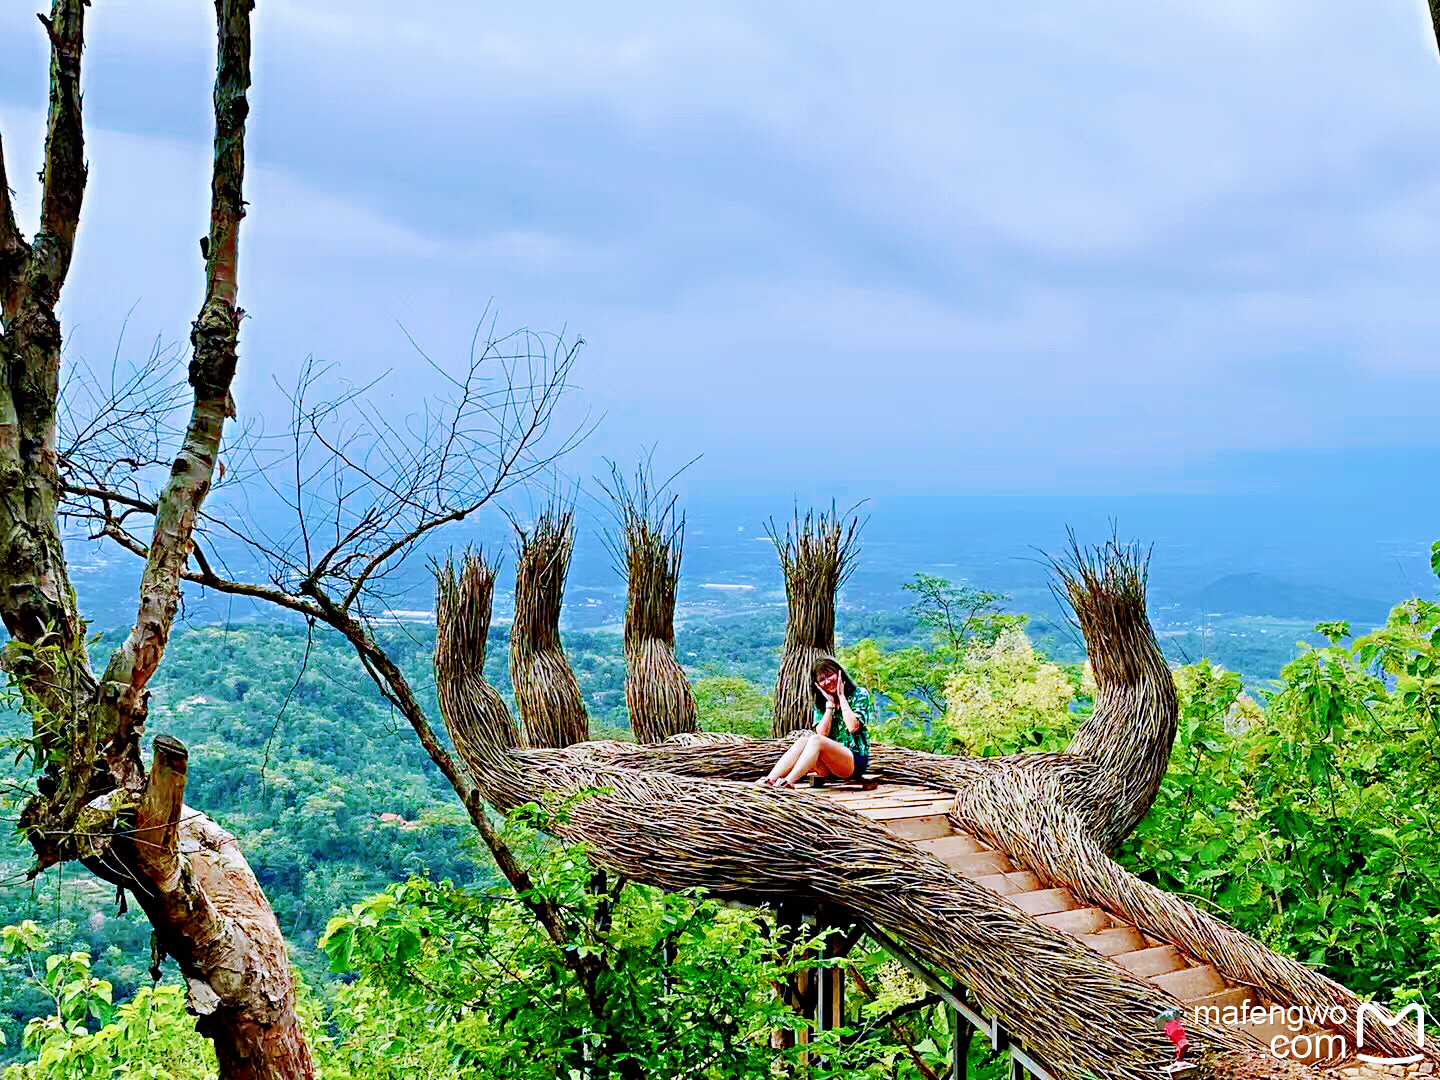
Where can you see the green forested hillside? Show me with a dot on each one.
(332, 797)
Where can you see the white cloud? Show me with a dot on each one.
(1091, 232)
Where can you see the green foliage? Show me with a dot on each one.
(909, 686)
(149, 1038)
(732, 704)
(1311, 824)
(998, 695)
(954, 614)
(84, 1036)
(913, 682)
(1005, 696)
(459, 983)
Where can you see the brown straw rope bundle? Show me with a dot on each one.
(1036, 829)
(1082, 1015)
(546, 690)
(462, 617)
(1132, 730)
(647, 551)
(816, 555)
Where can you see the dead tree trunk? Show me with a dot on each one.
(95, 802)
(817, 557)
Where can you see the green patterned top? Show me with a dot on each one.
(857, 742)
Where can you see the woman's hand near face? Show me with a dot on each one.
(823, 685)
(852, 722)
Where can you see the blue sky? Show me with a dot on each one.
(1089, 247)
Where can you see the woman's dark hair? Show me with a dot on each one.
(828, 665)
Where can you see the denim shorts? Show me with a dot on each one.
(862, 762)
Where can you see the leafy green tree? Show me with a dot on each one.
(911, 681)
(458, 983)
(1311, 822)
(1005, 695)
(85, 1036)
(955, 614)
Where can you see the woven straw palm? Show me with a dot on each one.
(547, 693)
(462, 617)
(647, 551)
(660, 816)
(816, 554)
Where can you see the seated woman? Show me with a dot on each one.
(841, 750)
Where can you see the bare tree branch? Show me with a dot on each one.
(13, 248)
(63, 178)
(362, 493)
(104, 496)
(215, 337)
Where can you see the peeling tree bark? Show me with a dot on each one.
(96, 803)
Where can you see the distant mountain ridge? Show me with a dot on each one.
(1261, 594)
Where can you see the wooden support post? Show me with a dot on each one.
(805, 994)
(157, 817)
(830, 999)
(961, 1032)
(789, 922)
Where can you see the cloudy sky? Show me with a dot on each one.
(1098, 246)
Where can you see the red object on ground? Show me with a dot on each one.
(1175, 1032)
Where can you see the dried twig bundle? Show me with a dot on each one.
(546, 690)
(647, 551)
(817, 555)
(1132, 730)
(474, 711)
(1082, 1014)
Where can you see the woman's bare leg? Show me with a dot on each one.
(823, 755)
(787, 759)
